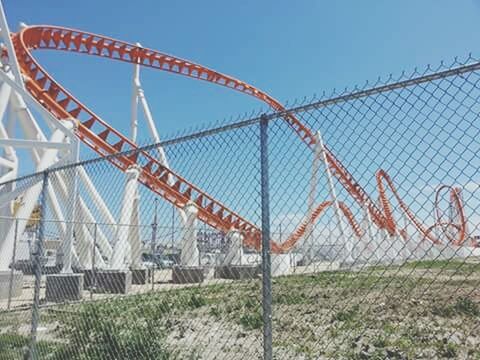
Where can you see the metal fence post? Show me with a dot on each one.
(37, 268)
(93, 285)
(12, 269)
(266, 261)
(153, 245)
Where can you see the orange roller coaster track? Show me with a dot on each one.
(105, 140)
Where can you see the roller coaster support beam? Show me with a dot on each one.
(84, 236)
(139, 95)
(34, 137)
(72, 184)
(83, 212)
(20, 98)
(122, 244)
(136, 246)
(33, 131)
(103, 210)
(368, 236)
(308, 248)
(235, 248)
(10, 160)
(30, 199)
(189, 254)
(29, 144)
(12, 57)
(136, 88)
(347, 243)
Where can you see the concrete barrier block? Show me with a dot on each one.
(17, 284)
(187, 274)
(64, 287)
(114, 281)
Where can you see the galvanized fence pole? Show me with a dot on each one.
(266, 261)
(153, 245)
(12, 268)
(93, 279)
(37, 256)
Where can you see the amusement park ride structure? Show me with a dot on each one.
(25, 85)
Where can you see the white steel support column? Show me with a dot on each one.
(84, 212)
(29, 201)
(190, 254)
(8, 161)
(134, 110)
(151, 127)
(12, 56)
(122, 243)
(84, 232)
(134, 237)
(103, 210)
(333, 195)
(138, 95)
(235, 250)
(9, 152)
(57, 212)
(20, 129)
(102, 241)
(10, 126)
(83, 242)
(72, 181)
(368, 236)
(308, 248)
(28, 124)
(5, 91)
(404, 241)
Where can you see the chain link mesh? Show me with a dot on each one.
(373, 228)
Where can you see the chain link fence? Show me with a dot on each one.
(345, 227)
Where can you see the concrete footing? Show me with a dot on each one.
(114, 281)
(88, 278)
(236, 272)
(16, 285)
(280, 264)
(140, 276)
(64, 287)
(187, 274)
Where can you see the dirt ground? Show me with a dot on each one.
(428, 310)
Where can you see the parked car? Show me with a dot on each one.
(166, 263)
(156, 261)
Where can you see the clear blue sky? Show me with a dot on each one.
(290, 49)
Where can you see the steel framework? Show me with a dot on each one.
(25, 84)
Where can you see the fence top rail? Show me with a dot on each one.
(433, 75)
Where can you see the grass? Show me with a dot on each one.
(15, 346)
(462, 306)
(447, 350)
(251, 321)
(466, 306)
(347, 315)
(336, 314)
(457, 266)
(13, 319)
